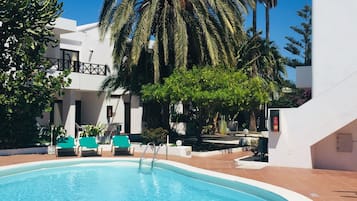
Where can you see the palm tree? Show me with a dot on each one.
(254, 8)
(186, 32)
(257, 58)
(268, 5)
(152, 37)
(270, 63)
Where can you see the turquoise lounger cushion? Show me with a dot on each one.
(88, 142)
(121, 141)
(65, 142)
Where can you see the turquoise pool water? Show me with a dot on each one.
(119, 181)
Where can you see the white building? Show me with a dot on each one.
(322, 133)
(90, 61)
(303, 77)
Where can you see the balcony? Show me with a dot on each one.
(78, 67)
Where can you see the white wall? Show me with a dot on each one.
(334, 42)
(334, 103)
(102, 50)
(64, 25)
(86, 82)
(69, 111)
(303, 77)
(118, 110)
(136, 115)
(92, 112)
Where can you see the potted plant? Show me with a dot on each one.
(58, 132)
(93, 131)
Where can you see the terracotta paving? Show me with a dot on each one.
(319, 185)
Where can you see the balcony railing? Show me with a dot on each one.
(79, 67)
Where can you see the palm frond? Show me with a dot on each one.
(187, 32)
(143, 31)
(106, 16)
(180, 38)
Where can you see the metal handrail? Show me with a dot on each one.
(144, 152)
(156, 150)
(78, 66)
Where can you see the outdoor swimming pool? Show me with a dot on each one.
(109, 179)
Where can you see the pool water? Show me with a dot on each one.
(112, 181)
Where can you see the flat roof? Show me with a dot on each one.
(64, 25)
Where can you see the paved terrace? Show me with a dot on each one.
(319, 185)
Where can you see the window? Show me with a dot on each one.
(69, 59)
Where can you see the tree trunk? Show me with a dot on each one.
(267, 24)
(151, 115)
(252, 121)
(262, 126)
(255, 17)
(165, 116)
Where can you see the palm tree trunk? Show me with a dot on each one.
(255, 17)
(152, 115)
(252, 121)
(267, 23)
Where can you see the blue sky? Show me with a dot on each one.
(281, 18)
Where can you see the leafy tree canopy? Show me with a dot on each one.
(212, 88)
(27, 89)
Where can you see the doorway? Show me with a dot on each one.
(56, 113)
(78, 118)
(79, 112)
(127, 116)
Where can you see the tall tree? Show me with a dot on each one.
(254, 8)
(26, 88)
(152, 38)
(232, 90)
(259, 59)
(301, 48)
(268, 5)
(254, 66)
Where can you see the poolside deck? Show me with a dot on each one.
(319, 185)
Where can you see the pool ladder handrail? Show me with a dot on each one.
(155, 150)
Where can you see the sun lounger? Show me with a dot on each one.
(65, 144)
(88, 144)
(121, 143)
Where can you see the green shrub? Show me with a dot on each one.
(156, 135)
